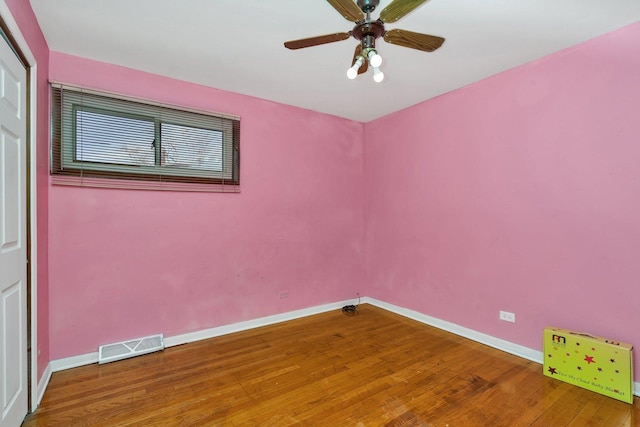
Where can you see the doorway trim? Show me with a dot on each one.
(36, 391)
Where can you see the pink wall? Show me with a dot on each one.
(518, 193)
(127, 263)
(26, 20)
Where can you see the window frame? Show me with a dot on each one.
(64, 141)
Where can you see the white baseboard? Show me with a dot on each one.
(89, 358)
(74, 361)
(500, 344)
(42, 386)
(251, 324)
(497, 343)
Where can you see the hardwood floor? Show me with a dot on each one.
(372, 369)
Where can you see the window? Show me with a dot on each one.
(99, 136)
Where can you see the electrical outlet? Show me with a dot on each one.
(284, 294)
(508, 317)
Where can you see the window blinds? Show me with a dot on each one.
(97, 136)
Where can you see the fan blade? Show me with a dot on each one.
(365, 65)
(413, 40)
(348, 9)
(398, 9)
(315, 41)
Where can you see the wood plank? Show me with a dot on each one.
(374, 368)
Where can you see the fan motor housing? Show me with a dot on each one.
(368, 30)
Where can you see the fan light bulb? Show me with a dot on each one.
(352, 72)
(378, 75)
(374, 59)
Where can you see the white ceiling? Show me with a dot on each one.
(237, 45)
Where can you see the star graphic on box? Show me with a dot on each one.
(589, 359)
(552, 371)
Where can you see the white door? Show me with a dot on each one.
(13, 239)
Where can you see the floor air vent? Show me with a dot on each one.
(125, 349)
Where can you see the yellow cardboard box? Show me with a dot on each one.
(594, 363)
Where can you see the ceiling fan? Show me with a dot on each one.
(367, 31)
